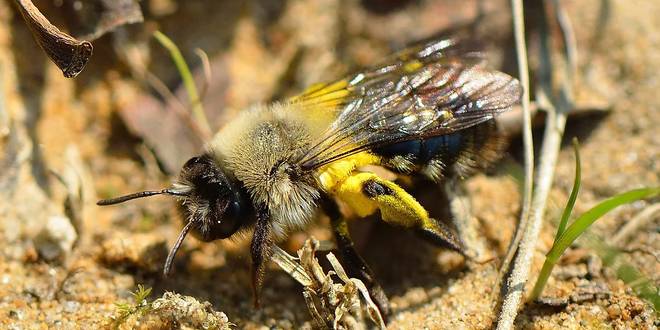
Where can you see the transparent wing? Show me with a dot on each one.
(423, 92)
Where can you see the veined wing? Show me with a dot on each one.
(424, 92)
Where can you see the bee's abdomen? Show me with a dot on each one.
(452, 154)
(421, 152)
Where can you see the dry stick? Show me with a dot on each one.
(527, 134)
(642, 219)
(521, 51)
(291, 266)
(69, 54)
(306, 270)
(188, 81)
(142, 74)
(206, 66)
(555, 124)
(180, 109)
(4, 112)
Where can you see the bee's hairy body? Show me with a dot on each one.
(428, 111)
(259, 148)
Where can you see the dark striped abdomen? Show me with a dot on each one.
(454, 154)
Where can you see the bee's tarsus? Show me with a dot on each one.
(440, 235)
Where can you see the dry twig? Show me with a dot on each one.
(68, 53)
(511, 301)
(643, 218)
(555, 123)
(526, 132)
(332, 305)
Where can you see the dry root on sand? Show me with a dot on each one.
(332, 305)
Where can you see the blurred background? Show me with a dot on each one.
(117, 128)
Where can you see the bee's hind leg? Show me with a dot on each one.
(352, 261)
(366, 192)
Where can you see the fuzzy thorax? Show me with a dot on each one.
(259, 148)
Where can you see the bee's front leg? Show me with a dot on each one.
(353, 262)
(260, 250)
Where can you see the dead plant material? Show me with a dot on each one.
(68, 53)
(632, 227)
(170, 311)
(332, 305)
(96, 18)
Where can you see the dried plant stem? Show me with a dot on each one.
(332, 305)
(206, 68)
(642, 219)
(4, 112)
(526, 132)
(554, 131)
(290, 265)
(180, 109)
(188, 81)
(68, 53)
(555, 123)
(510, 304)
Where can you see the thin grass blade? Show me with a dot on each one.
(570, 204)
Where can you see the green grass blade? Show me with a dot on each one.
(187, 77)
(570, 204)
(588, 218)
(580, 225)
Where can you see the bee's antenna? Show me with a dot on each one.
(140, 194)
(175, 248)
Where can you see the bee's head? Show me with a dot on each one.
(211, 204)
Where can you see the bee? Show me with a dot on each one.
(427, 111)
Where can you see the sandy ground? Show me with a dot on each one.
(66, 263)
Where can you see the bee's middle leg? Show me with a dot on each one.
(353, 262)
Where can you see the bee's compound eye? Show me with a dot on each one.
(226, 220)
(213, 205)
(192, 163)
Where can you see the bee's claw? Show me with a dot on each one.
(439, 234)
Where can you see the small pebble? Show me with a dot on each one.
(614, 311)
(17, 314)
(71, 306)
(55, 240)
(146, 252)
